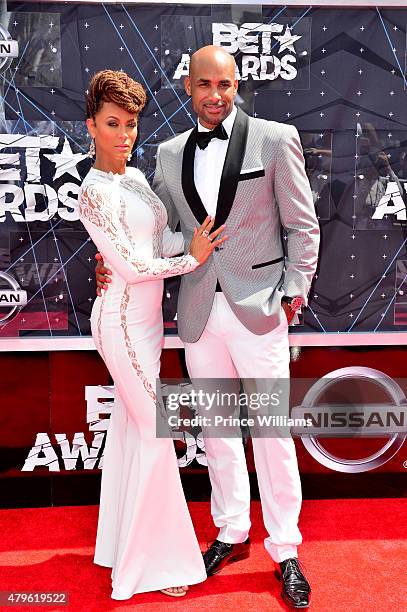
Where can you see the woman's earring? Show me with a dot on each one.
(92, 149)
(129, 156)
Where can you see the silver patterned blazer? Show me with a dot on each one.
(263, 189)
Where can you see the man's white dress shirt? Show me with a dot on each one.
(208, 165)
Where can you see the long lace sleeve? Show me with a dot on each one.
(101, 221)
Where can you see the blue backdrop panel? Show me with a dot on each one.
(337, 74)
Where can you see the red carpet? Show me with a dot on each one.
(354, 554)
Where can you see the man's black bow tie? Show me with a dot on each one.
(204, 138)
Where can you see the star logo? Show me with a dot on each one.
(287, 41)
(66, 161)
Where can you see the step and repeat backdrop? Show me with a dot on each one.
(337, 74)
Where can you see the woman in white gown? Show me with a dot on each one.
(145, 533)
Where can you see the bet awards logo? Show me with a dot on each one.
(12, 298)
(34, 199)
(263, 51)
(392, 202)
(8, 49)
(58, 453)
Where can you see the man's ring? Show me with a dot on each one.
(205, 233)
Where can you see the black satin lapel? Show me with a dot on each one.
(188, 183)
(232, 167)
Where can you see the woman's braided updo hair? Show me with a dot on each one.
(114, 86)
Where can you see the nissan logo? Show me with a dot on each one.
(12, 298)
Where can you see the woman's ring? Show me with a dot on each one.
(205, 233)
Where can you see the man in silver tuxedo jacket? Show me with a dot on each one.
(233, 312)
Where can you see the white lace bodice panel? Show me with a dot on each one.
(128, 224)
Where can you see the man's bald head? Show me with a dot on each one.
(212, 84)
(211, 55)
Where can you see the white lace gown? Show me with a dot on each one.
(144, 531)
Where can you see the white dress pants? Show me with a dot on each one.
(228, 350)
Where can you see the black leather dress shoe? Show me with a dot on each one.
(296, 589)
(220, 553)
